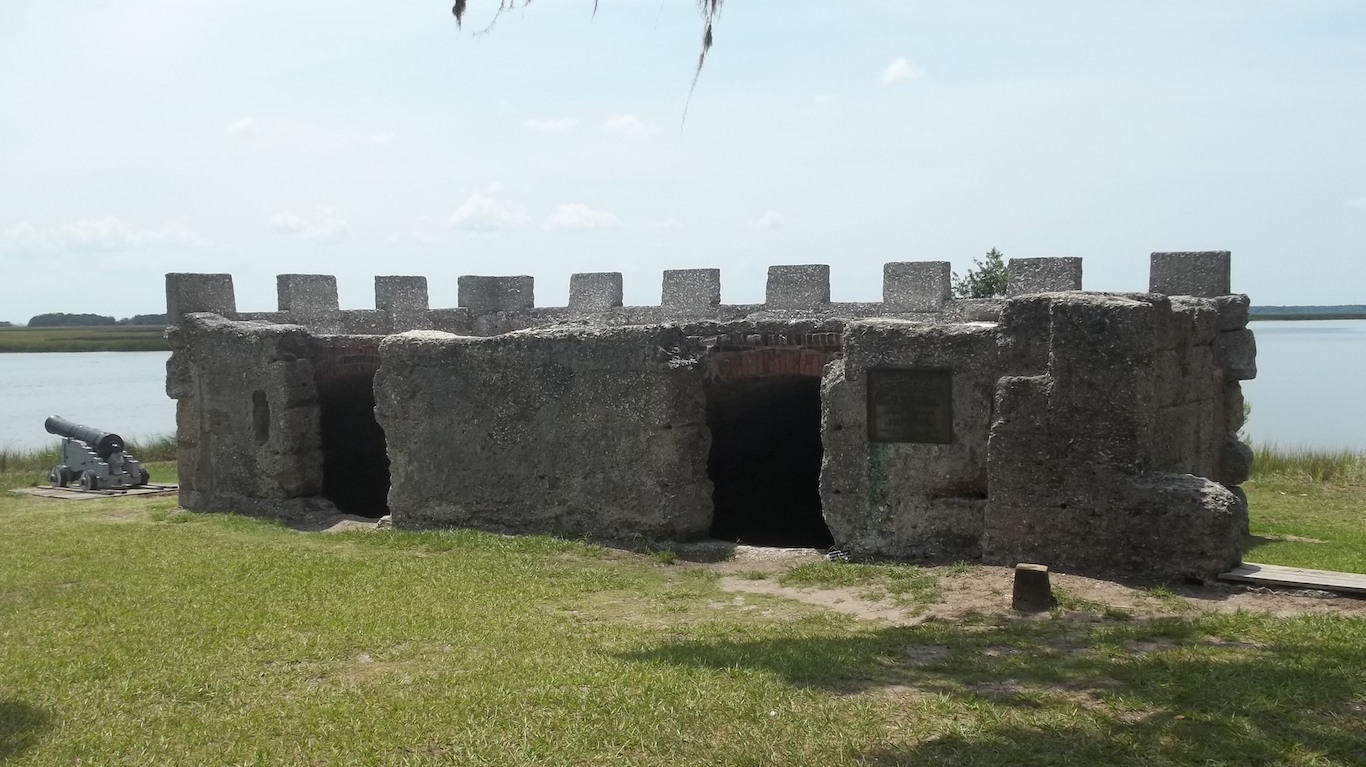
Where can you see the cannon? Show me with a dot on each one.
(94, 458)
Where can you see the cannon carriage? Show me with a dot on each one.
(92, 458)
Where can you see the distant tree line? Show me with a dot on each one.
(65, 320)
(1348, 312)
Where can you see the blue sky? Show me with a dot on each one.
(354, 138)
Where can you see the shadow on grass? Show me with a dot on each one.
(20, 727)
(1235, 689)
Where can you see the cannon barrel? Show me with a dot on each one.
(103, 443)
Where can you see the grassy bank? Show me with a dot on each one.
(118, 338)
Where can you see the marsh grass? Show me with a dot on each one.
(113, 338)
(1309, 464)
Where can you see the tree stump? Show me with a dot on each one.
(1032, 592)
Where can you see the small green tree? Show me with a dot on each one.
(986, 279)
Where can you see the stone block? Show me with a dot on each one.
(805, 286)
(1235, 464)
(916, 286)
(489, 295)
(691, 291)
(1032, 592)
(307, 294)
(402, 297)
(1197, 320)
(1192, 273)
(1025, 324)
(189, 293)
(1235, 415)
(1232, 311)
(594, 292)
(1042, 275)
(1236, 353)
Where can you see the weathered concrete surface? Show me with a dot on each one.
(576, 431)
(1087, 432)
(1190, 273)
(908, 500)
(1081, 462)
(246, 417)
(1042, 275)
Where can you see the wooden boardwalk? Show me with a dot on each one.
(1297, 578)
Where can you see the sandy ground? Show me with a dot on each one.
(986, 589)
(977, 590)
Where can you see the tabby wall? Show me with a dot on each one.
(1093, 432)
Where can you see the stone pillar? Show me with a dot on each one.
(189, 293)
(1190, 273)
(307, 294)
(691, 292)
(1042, 275)
(404, 300)
(594, 292)
(916, 286)
(489, 295)
(805, 286)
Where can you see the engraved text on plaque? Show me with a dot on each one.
(910, 406)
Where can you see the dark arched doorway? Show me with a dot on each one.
(355, 457)
(765, 459)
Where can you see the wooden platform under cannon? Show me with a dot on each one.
(77, 494)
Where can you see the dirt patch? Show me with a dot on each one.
(840, 600)
(986, 590)
(333, 523)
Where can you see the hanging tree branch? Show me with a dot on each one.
(709, 10)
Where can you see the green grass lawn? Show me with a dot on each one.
(1308, 509)
(113, 338)
(134, 633)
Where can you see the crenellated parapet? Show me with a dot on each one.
(489, 305)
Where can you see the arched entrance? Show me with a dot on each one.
(764, 412)
(355, 458)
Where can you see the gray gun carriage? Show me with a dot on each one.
(94, 459)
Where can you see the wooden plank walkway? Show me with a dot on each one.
(1297, 578)
(77, 494)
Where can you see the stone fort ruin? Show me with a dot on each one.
(1093, 432)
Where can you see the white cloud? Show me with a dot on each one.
(628, 126)
(243, 127)
(668, 223)
(901, 69)
(553, 125)
(770, 220)
(580, 217)
(488, 211)
(383, 138)
(327, 226)
(1359, 203)
(97, 235)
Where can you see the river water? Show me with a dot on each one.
(1308, 389)
(121, 392)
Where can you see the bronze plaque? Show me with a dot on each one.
(910, 406)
